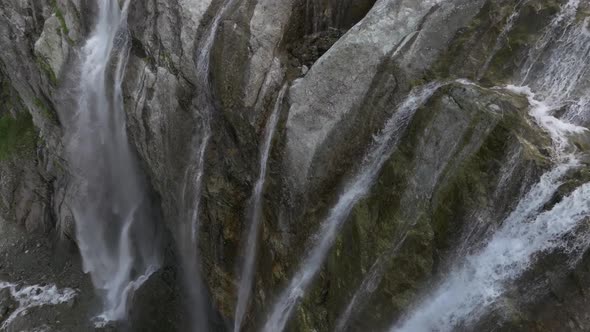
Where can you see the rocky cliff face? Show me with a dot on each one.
(461, 165)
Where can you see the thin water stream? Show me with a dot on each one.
(191, 192)
(250, 241)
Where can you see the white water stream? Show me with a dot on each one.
(475, 285)
(114, 227)
(250, 242)
(29, 297)
(191, 192)
(385, 143)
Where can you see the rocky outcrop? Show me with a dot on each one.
(442, 176)
(348, 65)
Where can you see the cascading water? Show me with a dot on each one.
(475, 285)
(191, 192)
(115, 233)
(383, 147)
(410, 14)
(472, 289)
(378, 269)
(250, 243)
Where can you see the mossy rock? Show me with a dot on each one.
(63, 26)
(17, 135)
(446, 166)
(473, 46)
(46, 111)
(46, 68)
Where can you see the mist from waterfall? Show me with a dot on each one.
(250, 241)
(114, 222)
(555, 82)
(191, 192)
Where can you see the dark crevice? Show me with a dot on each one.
(322, 15)
(316, 25)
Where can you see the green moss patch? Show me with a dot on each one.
(17, 135)
(45, 111)
(46, 68)
(473, 44)
(5, 95)
(62, 21)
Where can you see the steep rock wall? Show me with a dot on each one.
(443, 169)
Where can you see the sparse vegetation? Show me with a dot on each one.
(17, 135)
(45, 67)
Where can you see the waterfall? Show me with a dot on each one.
(475, 285)
(116, 237)
(384, 145)
(373, 278)
(470, 290)
(188, 236)
(250, 242)
(531, 204)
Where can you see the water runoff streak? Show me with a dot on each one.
(370, 282)
(502, 39)
(475, 285)
(250, 242)
(384, 145)
(408, 14)
(188, 236)
(114, 230)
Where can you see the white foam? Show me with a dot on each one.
(559, 130)
(473, 287)
(29, 297)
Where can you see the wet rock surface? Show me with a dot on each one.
(348, 65)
